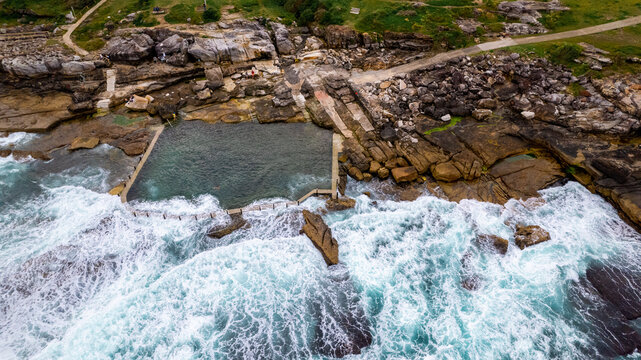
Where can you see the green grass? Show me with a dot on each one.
(177, 11)
(41, 11)
(125, 121)
(621, 44)
(585, 13)
(455, 120)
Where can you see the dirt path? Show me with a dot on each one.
(380, 75)
(66, 38)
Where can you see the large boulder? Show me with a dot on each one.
(136, 48)
(321, 236)
(84, 143)
(340, 204)
(446, 172)
(214, 77)
(284, 45)
(404, 174)
(171, 45)
(526, 236)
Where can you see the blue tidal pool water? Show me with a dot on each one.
(237, 163)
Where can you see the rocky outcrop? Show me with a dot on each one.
(221, 230)
(321, 236)
(619, 286)
(526, 236)
(340, 204)
(84, 143)
(514, 129)
(247, 41)
(281, 35)
(135, 48)
(28, 66)
(492, 241)
(342, 327)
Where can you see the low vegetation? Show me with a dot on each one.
(455, 120)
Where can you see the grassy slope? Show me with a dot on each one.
(44, 10)
(621, 43)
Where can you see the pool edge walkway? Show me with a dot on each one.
(130, 182)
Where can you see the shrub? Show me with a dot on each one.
(180, 13)
(144, 19)
(564, 53)
(212, 14)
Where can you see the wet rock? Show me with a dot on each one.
(342, 328)
(496, 242)
(321, 236)
(619, 286)
(404, 174)
(608, 331)
(84, 143)
(526, 236)
(340, 204)
(355, 173)
(383, 173)
(219, 231)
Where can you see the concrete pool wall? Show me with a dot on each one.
(201, 156)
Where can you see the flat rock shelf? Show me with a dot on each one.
(237, 163)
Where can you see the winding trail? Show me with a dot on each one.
(380, 75)
(66, 38)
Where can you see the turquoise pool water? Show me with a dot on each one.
(237, 163)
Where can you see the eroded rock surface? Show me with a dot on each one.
(321, 236)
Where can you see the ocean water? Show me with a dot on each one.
(82, 278)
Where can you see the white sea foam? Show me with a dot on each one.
(83, 278)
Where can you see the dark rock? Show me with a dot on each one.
(219, 231)
(321, 236)
(497, 242)
(608, 331)
(619, 286)
(526, 236)
(342, 328)
(388, 133)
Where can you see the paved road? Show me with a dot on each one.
(66, 38)
(380, 75)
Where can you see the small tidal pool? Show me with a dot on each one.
(237, 163)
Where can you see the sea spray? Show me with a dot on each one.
(83, 278)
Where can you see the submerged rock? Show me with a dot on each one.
(342, 328)
(526, 236)
(497, 242)
(619, 286)
(321, 236)
(608, 330)
(237, 222)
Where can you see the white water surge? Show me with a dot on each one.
(82, 278)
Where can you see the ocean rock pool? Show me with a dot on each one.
(237, 163)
